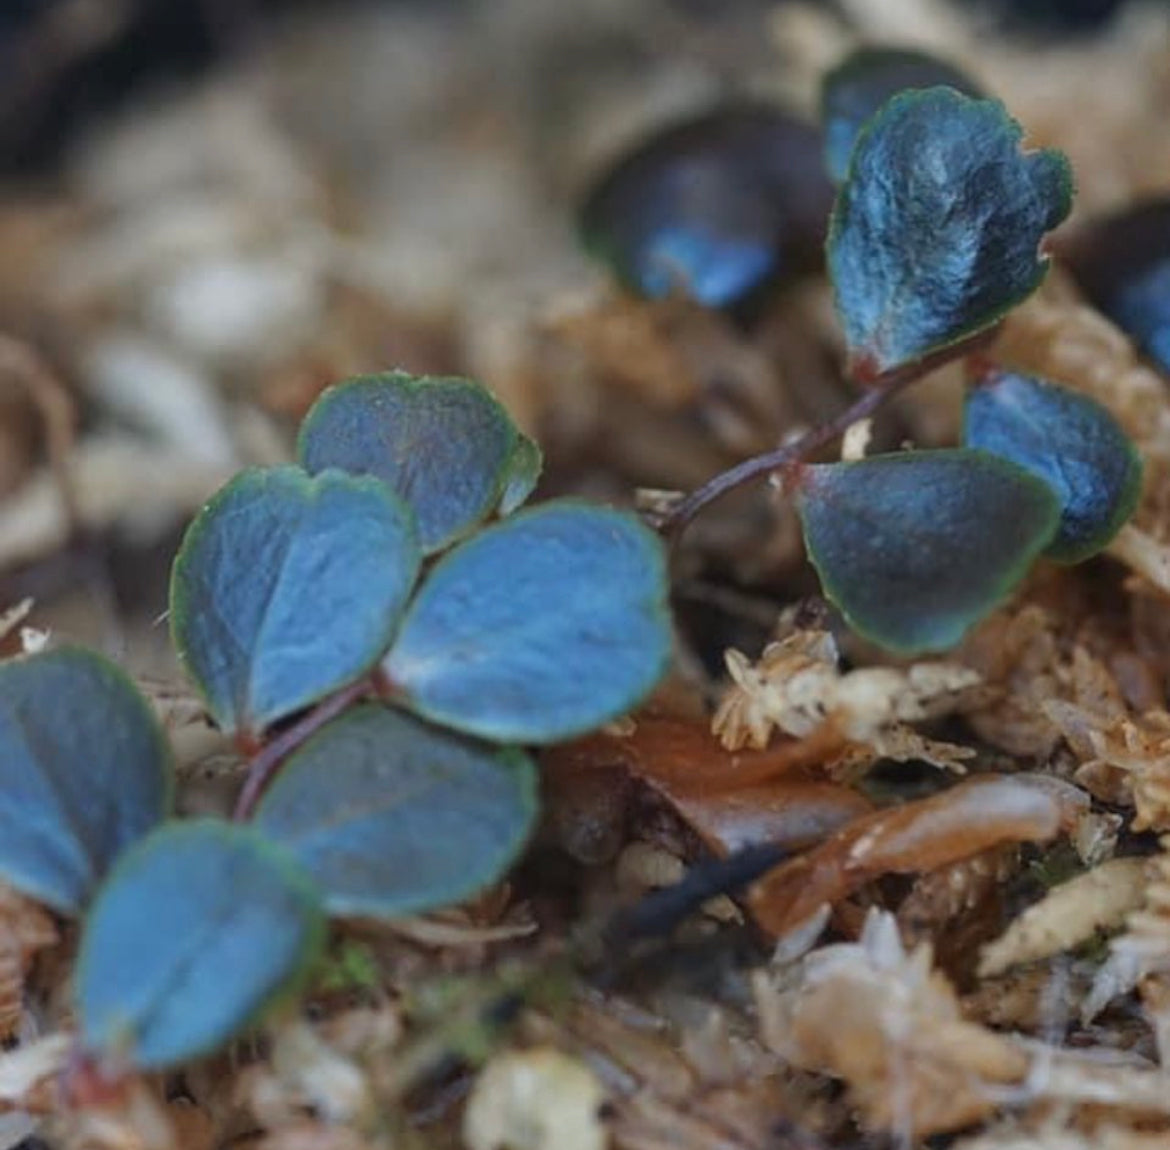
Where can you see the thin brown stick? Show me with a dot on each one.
(267, 761)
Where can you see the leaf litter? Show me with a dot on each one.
(972, 934)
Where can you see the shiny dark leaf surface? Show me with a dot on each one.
(1122, 263)
(539, 628)
(287, 587)
(392, 816)
(1068, 440)
(444, 446)
(713, 208)
(914, 548)
(84, 772)
(198, 930)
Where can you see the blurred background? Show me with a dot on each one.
(212, 209)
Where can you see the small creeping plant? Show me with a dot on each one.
(381, 651)
(382, 628)
(934, 236)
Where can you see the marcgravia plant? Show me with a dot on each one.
(380, 652)
(935, 234)
(382, 627)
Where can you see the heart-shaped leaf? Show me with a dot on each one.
(287, 587)
(936, 231)
(858, 87)
(1068, 440)
(713, 208)
(1123, 265)
(543, 627)
(84, 772)
(392, 816)
(914, 548)
(198, 930)
(445, 446)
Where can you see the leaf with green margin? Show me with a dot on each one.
(936, 230)
(84, 772)
(445, 446)
(288, 587)
(200, 929)
(915, 548)
(391, 816)
(540, 628)
(854, 91)
(1068, 440)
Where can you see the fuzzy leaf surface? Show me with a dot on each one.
(914, 548)
(287, 587)
(391, 816)
(197, 931)
(936, 230)
(544, 626)
(1068, 440)
(857, 88)
(84, 772)
(446, 447)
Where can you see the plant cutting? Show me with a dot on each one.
(935, 235)
(379, 652)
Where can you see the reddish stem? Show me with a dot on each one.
(267, 761)
(677, 519)
(880, 387)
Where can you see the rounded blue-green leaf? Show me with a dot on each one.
(287, 587)
(937, 228)
(84, 772)
(444, 446)
(391, 816)
(857, 88)
(198, 930)
(1068, 440)
(715, 207)
(542, 627)
(1122, 263)
(915, 548)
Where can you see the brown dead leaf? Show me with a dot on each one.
(962, 821)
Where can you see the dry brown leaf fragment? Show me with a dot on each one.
(1069, 915)
(960, 822)
(889, 1025)
(539, 1099)
(729, 798)
(798, 688)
